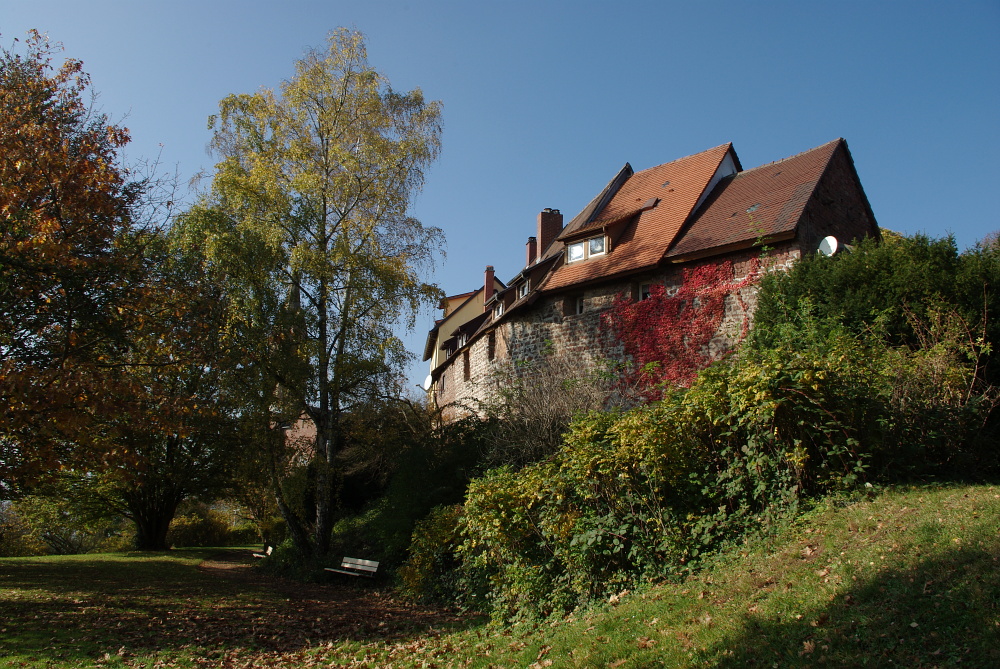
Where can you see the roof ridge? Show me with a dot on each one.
(797, 155)
(727, 145)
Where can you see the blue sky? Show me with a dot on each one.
(544, 101)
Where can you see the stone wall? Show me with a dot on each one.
(552, 326)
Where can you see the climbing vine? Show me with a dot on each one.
(668, 335)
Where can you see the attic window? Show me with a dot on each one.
(752, 208)
(498, 310)
(588, 248)
(522, 290)
(595, 246)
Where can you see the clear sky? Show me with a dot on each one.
(544, 101)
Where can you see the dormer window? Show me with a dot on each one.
(522, 290)
(588, 248)
(595, 246)
(498, 310)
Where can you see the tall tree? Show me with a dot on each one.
(69, 270)
(181, 430)
(307, 222)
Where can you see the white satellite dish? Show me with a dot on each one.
(428, 381)
(829, 245)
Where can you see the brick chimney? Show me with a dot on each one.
(550, 224)
(532, 249)
(488, 286)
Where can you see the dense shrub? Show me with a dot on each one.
(638, 495)
(646, 493)
(199, 524)
(432, 570)
(53, 525)
(432, 468)
(924, 317)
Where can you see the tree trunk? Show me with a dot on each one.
(151, 531)
(152, 506)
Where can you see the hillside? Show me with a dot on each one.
(908, 577)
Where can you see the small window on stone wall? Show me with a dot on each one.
(441, 380)
(491, 345)
(645, 290)
(466, 369)
(573, 305)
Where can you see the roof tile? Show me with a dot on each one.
(678, 185)
(756, 203)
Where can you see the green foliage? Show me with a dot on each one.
(202, 525)
(648, 493)
(638, 495)
(922, 317)
(432, 571)
(881, 286)
(431, 466)
(307, 226)
(54, 525)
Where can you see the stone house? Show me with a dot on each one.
(650, 235)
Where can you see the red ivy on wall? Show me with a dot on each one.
(667, 336)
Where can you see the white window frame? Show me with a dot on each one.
(522, 290)
(585, 248)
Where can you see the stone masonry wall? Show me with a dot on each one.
(552, 326)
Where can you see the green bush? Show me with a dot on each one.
(54, 525)
(638, 495)
(432, 571)
(647, 493)
(201, 525)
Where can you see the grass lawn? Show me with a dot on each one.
(907, 578)
(185, 608)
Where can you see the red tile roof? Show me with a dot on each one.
(642, 242)
(762, 202)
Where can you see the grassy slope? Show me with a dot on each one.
(908, 578)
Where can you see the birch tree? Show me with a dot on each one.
(307, 222)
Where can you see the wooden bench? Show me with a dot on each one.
(266, 553)
(355, 567)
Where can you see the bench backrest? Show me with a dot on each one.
(360, 565)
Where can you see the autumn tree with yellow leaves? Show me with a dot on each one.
(307, 225)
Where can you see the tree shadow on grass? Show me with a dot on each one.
(940, 612)
(77, 611)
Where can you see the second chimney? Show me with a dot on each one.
(532, 250)
(550, 224)
(488, 286)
